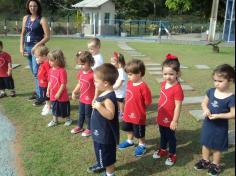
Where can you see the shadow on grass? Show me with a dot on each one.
(187, 146)
(229, 159)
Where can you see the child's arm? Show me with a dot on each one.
(229, 115)
(59, 92)
(206, 111)
(174, 122)
(106, 108)
(9, 71)
(48, 89)
(118, 84)
(75, 92)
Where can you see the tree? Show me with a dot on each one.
(176, 5)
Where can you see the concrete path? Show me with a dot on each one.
(7, 135)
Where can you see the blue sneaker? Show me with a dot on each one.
(140, 150)
(124, 145)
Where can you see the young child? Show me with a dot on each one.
(94, 46)
(85, 87)
(57, 90)
(169, 107)
(218, 107)
(104, 120)
(138, 97)
(6, 80)
(41, 59)
(118, 61)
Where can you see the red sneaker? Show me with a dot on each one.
(76, 130)
(160, 153)
(86, 133)
(171, 160)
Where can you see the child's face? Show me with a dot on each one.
(100, 84)
(93, 49)
(221, 83)
(114, 62)
(169, 75)
(135, 78)
(39, 59)
(84, 66)
(52, 63)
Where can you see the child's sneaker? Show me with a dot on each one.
(45, 107)
(159, 154)
(214, 170)
(3, 94)
(32, 97)
(68, 122)
(12, 93)
(202, 164)
(105, 174)
(95, 169)
(47, 111)
(140, 150)
(125, 145)
(76, 130)
(86, 133)
(171, 160)
(52, 123)
(38, 102)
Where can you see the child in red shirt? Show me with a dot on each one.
(57, 90)
(41, 59)
(86, 88)
(138, 97)
(6, 80)
(169, 107)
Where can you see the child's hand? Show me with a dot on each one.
(47, 94)
(9, 72)
(57, 96)
(206, 113)
(213, 116)
(173, 125)
(96, 105)
(74, 96)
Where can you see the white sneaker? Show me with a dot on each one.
(46, 112)
(52, 123)
(68, 122)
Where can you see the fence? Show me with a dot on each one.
(127, 27)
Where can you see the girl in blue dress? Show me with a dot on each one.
(218, 107)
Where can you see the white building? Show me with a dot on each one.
(99, 17)
(229, 24)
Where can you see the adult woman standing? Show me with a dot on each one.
(35, 32)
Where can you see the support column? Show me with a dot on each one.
(213, 20)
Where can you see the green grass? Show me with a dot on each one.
(55, 152)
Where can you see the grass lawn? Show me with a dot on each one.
(56, 152)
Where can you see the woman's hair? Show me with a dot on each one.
(57, 56)
(172, 61)
(107, 72)
(84, 57)
(39, 12)
(95, 42)
(135, 66)
(119, 58)
(42, 50)
(226, 71)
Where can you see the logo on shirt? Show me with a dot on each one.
(132, 116)
(96, 133)
(129, 95)
(215, 104)
(166, 120)
(87, 98)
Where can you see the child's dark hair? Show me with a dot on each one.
(96, 42)
(119, 58)
(84, 57)
(135, 66)
(107, 72)
(226, 71)
(172, 61)
(1, 44)
(58, 57)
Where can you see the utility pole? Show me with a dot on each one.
(213, 20)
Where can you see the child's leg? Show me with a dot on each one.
(205, 153)
(82, 112)
(172, 140)
(163, 141)
(216, 157)
(88, 113)
(110, 169)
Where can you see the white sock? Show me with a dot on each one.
(143, 145)
(130, 141)
(110, 174)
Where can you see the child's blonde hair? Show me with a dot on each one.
(42, 50)
(57, 56)
(95, 42)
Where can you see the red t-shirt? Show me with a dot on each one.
(166, 103)
(87, 87)
(43, 74)
(57, 77)
(5, 59)
(138, 97)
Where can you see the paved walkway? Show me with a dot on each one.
(7, 135)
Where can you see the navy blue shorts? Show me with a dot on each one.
(7, 83)
(105, 154)
(61, 109)
(120, 100)
(138, 130)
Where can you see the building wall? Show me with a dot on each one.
(229, 24)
